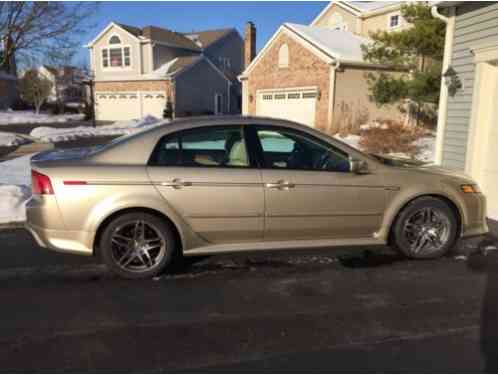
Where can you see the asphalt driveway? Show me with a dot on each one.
(369, 310)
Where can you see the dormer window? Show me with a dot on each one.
(115, 55)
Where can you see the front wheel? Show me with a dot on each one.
(425, 229)
(137, 245)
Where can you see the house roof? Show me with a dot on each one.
(338, 44)
(195, 41)
(208, 37)
(158, 34)
(367, 6)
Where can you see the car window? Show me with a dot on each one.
(203, 147)
(290, 149)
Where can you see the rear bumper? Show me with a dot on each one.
(62, 241)
(44, 222)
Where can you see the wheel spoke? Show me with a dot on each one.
(120, 240)
(139, 231)
(419, 244)
(127, 258)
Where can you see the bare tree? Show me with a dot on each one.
(34, 89)
(48, 31)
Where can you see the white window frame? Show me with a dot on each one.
(218, 100)
(108, 47)
(390, 16)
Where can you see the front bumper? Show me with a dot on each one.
(475, 222)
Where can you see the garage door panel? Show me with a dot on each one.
(153, 104)
(118, 106)
(293, 105)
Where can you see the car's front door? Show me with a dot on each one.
(206, 175)
(310, 192)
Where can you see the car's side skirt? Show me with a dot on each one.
(282, 245)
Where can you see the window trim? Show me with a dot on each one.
(283, 54)
(390, 16)
(253, 164)
(108, 48)
(257, 148)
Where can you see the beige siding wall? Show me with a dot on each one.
(476, 25)
(305, 70)
(114, 73)
(381, 22)
(334, 13)
(352, 103)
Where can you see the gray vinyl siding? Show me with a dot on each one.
(195, 90)
(8, 93)
(476, 24)
(231, 47)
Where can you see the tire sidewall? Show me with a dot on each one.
(160, 224)
(402, 245)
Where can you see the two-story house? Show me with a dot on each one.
(316, 74)
(137, 70)
(67, 83)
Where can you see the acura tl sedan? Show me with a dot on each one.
(228, 184)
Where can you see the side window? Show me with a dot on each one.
(289, 149)
(203, 147)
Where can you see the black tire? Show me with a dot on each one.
(400, 241)
(152, 224)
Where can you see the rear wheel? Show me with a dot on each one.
(425, 229)
(138, 245)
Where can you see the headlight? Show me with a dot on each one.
(470, 188)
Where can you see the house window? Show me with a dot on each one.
(224, 62)
(283, 56)
(394, 21)
(116, 56)
(218, 104)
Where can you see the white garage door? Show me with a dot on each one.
(116, 106)
(153, 104)
(294, 105)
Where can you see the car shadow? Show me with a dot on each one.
(485, 261)
(370, 259)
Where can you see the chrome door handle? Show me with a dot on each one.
(281, 185)
(176, 184)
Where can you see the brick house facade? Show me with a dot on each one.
(305, 70)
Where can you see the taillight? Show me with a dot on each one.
(40, 184)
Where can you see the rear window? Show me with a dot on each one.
(202, 147)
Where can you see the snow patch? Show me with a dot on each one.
(48, 134)
(9, 140)
(10, 117)
(15, 189)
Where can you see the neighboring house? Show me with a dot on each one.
(8, 90)
(316, 74)
(138, 70)
(467, 137)
(67, 83)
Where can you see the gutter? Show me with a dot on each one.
(443, 98)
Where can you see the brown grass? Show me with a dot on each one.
(392, 137)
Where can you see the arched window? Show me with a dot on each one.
(116, 55)
(283, 56)
(114, 40)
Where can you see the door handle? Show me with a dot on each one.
(176, 183)
(281, 185)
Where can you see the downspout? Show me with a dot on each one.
(332, 81)
(443, 98)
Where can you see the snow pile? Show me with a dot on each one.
(15, 189)
(10, 117)
(47, 134)
(10, 140)
(427, 146)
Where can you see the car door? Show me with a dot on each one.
(310, 192)
(206, 175)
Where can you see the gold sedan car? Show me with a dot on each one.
(227, 184)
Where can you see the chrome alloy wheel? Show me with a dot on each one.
(426, 231)
(137, 246)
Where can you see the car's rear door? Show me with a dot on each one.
(206, 175)
(310, 192)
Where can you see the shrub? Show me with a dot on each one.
(391, 137)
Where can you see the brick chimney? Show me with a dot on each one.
(249, 43)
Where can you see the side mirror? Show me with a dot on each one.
(358, 166)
